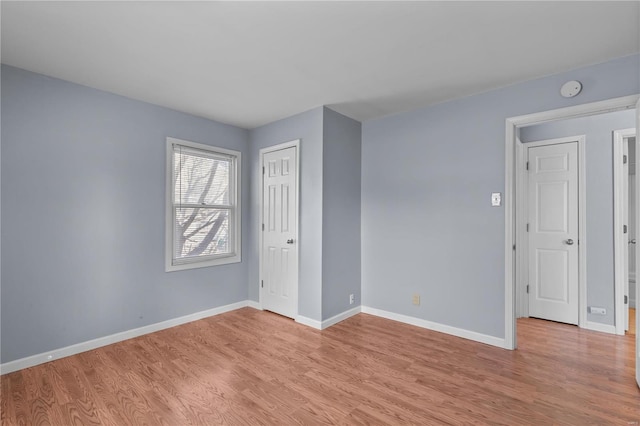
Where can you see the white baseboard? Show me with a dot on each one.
(253, 304)
(309, 322)
(340, 317)
(321, 325)
(34, 360)
(447, 329)
(603, 328)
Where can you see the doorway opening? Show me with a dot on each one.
(514, 223)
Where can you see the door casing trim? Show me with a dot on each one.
(618, 244)
(294, 143)
(511, 130)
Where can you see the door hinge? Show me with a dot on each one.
(262, 169)
(527, 165)
(624, 159)
(262, 283)
(624, 229)
(527, 288)
(514, 246)
(527, 227)
(626, 299)
(263, 226)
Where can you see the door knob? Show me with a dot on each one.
(632, 241)
(290, 241)
(569, 242)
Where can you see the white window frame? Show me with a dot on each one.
(235, 217)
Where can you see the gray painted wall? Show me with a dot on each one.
(75, 162)
(427, 223)
(83, 202)
(341, 213)
(598, 130)
(306, 126)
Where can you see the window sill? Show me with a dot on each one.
(169, 267)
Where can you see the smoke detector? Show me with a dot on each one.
(570, 89)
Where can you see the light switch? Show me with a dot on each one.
(496, 199)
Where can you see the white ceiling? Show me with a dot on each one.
(250, 63)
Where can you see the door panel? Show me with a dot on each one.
(280, 258)
(553, 279)
(553, 232)
(552, 198)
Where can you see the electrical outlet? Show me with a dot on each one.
(352, 299)
(416, 299)
(596, 310)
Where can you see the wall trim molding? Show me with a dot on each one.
(33, 360)
(255, 305)
(603, 328)
(340, 317)
(442, 328)
(321, 325)
(309, 322)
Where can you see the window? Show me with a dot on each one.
(203, 205)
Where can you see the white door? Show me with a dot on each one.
(280, 230)
(623, 224)
(625, 234)
(553, 232)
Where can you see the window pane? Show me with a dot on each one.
(201, 179)
(201, 232)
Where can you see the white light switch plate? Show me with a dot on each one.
(496, 199)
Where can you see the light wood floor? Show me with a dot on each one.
(253, 367)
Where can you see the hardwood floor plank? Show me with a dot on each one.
(249, 367)
(4, 402)
(20, 401)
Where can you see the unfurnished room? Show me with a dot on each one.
(319, 212)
